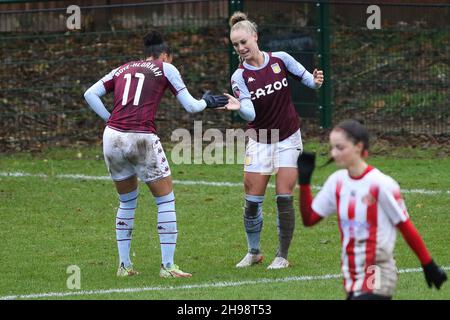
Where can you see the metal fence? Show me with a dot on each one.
(396, 79)
(46, 71)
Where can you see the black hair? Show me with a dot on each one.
(154, 45)
(356, 132)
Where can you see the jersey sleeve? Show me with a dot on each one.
(176, 83)
(189, 103)
(296, 69)
(324, 204)
(391, 201)
(108, 81)
(92, 96)
(240, 90)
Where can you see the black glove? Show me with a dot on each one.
(306, 163)
(434, 275)
(214, 101)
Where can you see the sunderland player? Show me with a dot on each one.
(369, 208)
(260, 84)
(132, 148)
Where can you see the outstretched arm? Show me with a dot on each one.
(208, 100)
(299, 72)
(189, 103)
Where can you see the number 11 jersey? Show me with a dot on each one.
(138, 88)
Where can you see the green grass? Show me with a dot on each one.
(51, 223)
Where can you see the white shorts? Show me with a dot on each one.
(128, 154)
(266, 158)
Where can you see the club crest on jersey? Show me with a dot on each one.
(276, 68)
(369, 199)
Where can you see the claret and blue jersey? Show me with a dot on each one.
(138, 87)
(267, 87)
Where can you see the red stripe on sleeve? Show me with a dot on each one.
(309, 217)
(414, 240)
(398, 197)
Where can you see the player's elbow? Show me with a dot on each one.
(251, 116)
(248, 114)
(87, 94)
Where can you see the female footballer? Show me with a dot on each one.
(132, 148)
(262, 93)
(370, 209)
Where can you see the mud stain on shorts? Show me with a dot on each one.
(117, 143)
(142, 148)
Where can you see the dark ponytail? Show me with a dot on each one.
(154, 45)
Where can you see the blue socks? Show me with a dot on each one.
(253, 221)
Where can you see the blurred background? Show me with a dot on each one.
(396, 78)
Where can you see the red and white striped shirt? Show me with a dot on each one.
(368, 209)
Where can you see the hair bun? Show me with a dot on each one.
(237, 17)
(153, 38)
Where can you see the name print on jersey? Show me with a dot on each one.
(268, 89)
(149, 65)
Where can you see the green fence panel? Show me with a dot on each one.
(396, 78)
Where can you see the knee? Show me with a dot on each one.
(285, 188)
(248, 186)
(254, 187)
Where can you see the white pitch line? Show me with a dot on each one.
(186, 182)
(223, 284)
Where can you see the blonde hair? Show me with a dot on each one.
(239, 20)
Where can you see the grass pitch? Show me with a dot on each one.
(51, 222)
